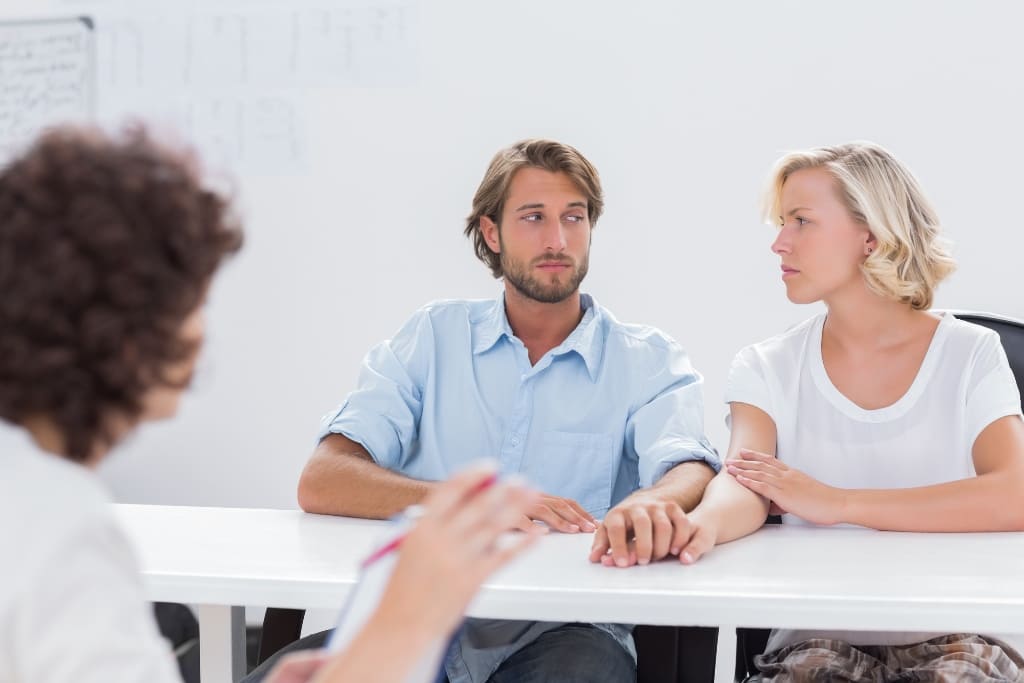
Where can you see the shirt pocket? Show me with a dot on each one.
(576, 465)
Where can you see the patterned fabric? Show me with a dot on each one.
(956, 658)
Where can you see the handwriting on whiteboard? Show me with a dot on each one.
(260, 47)
(46, 72)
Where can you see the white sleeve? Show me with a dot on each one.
(992, 391)
(748, 384)
(83, 618)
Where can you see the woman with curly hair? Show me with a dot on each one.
(876, 413)
(108, 246)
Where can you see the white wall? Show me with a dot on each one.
(681, 106)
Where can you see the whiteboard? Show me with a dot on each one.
(47, 72)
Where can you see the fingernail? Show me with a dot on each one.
(687, 557)
(674, 551)
(644, 560)
(589, 527)
(620, 562)
(573, 528)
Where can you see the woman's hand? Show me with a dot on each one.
(298, 667)
(790, 490)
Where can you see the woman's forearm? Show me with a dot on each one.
(731, 509)
(988, 502)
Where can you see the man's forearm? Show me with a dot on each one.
(684, 484)
(342, 479)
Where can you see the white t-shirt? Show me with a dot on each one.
(71, 602)
(926, 437)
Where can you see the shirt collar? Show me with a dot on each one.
(492, 327)
(585, 340)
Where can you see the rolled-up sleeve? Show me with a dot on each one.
(668, 429)
(383, 412)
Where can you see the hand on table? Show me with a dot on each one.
(560, 514)
(645, 528)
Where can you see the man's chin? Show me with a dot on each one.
(545, 295)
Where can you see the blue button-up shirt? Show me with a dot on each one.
(607, 411)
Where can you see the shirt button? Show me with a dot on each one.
(515, 440)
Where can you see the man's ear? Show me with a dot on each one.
(489, 229)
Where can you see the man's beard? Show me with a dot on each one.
(519, 277)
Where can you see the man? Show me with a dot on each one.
(549, 383)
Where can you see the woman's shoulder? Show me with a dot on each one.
(968, 333)
(55, 501)
(787, 346)
(40, 483)
(967, 343)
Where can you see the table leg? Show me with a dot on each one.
(725, 656)
(221, 643)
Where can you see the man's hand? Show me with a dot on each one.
(789, 490)
(645, 527)
(560, 514)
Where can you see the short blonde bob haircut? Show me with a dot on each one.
(911, 257)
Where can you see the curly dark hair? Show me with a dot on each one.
(107, 244)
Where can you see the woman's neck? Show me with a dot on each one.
(866, 320)
(48, 437)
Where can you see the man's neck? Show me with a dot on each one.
(541, 326)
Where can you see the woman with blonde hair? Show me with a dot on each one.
(876, 413)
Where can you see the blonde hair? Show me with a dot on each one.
(911, 257)
(535, 153)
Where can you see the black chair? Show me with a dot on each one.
(280, 627)
(751, 642)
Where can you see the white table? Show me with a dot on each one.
(225, 558)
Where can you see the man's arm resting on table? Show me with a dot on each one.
(341, 478)
(651, 523)
(721, 512)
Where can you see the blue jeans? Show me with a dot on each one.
(570, 653)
